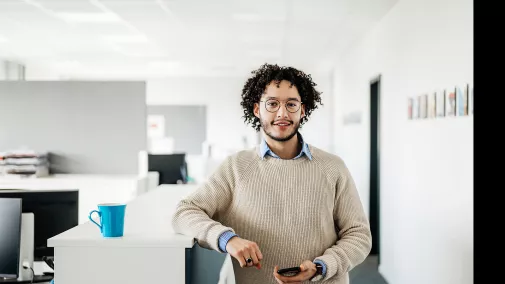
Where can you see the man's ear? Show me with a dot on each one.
(303, 111)
(257, 110)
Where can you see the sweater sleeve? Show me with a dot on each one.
(352, 226)
(195, 215)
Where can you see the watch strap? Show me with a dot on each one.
(319, 273)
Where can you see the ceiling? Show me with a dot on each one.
(157, 38)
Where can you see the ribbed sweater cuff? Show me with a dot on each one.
(331, 265)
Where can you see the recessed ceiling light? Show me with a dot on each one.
(89, 17)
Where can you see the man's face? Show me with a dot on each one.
(280, 111)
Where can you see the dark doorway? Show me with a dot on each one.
(374, 165)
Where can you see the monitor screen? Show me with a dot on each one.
(10, 236)
(172, 168)
(54, 212)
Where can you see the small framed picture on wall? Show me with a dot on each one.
(423, 105)
(415, 108)
(440, 106)
(462, 100)
(432, 105)
(410, 107)
(470, 98)
(450, 94)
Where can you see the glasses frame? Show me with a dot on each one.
(299, 107)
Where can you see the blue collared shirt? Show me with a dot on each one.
(263, 151)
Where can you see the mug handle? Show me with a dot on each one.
(91, 219)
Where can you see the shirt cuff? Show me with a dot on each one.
(224, 238)
(323, 265)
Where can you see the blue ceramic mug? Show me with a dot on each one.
(111, 219)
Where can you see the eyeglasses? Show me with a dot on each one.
(273, 105)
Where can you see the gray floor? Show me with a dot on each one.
(366, 273)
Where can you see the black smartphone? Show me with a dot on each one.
(291, 271)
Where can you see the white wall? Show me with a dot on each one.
(318, 130)
(10, 70)
(42, 71)
(426, 165)
(222, 96)
(225, 127)
(3, 74)
(58, 120)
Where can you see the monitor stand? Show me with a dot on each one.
(27, 249)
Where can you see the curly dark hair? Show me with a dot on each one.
(255, 87)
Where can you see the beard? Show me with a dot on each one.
(268, 129)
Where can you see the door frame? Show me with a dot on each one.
(376, 79)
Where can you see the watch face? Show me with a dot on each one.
(319, 269)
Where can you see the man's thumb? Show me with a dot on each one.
(302, 267)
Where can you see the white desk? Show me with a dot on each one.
(93, 189)
(149, 252)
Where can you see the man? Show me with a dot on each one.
(284, 203)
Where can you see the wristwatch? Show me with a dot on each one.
(319, 273)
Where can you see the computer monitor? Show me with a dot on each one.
(55, 211)
(172, 168)
(10, 236)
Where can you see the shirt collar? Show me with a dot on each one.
(265, 150)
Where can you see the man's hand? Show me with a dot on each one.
(242, 249)
(308, 270)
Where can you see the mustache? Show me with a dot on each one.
(283, 120)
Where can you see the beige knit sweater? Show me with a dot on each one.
(295, 210)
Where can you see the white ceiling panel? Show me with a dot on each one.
(180, 37)
(68, 6)
(320, 10)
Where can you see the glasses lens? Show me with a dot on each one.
(272, 105)
(293, 106)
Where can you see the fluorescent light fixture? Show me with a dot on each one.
(126, 38)
(89, 17)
